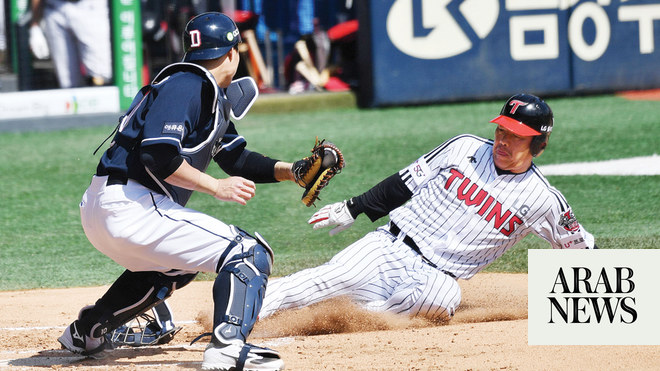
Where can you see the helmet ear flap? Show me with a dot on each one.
(538, 144)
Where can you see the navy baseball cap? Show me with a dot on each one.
(209, 36)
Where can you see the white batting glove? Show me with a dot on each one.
(333, 214)
(38, 43)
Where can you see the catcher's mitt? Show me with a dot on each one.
(314, 172)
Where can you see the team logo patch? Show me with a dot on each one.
(515, 104)
(420, 171)
(173, 128)
(231, 35)
(569, 222)
(195, 38)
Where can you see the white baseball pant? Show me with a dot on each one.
(79, 32)
(379, 272)
(146, 231)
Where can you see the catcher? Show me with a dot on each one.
(134, 209)
(312, 173)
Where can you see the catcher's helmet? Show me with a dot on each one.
(208, 36)
(527, 115)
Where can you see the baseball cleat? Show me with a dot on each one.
(75, 341)
(227, 357)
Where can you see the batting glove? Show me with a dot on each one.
(331, 215)
(38, 43)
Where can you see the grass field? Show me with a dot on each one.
(44, 175)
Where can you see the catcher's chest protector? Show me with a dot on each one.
(200, 153)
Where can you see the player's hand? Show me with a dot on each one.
(38, 43)
(333, 214)
(235, 189)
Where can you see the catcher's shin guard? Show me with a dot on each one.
(239, 290)
(132, 294)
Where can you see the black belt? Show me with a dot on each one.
(395, 230)
(116, 179)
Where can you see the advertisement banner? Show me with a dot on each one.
(127, 44)
(425, 51)
(59, 102)
(17, 10)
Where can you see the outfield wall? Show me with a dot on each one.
(427, 51)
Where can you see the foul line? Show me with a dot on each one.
(63, 327)
(643, 165)
(63, 358)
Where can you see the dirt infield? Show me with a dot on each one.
(651, 94)
(489, 332)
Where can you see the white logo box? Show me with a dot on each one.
(618, 304)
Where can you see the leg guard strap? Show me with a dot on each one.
(242, 356)
(132, 294)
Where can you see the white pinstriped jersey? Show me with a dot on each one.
(463, 215)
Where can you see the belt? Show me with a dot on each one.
(395, 230)
(116, 179)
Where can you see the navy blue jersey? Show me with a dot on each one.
(184, 108)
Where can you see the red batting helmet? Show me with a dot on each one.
(529, 116)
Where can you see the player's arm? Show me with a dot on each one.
(377, 202)
(580, 239)
(164, 161)
(561, 228)
(382, 198)
(385, 196)
(235, 159)
(37, 7)
(254, 166)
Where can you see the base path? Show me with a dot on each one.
(489, 332)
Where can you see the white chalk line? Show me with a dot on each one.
(642, 165)
(45, 358)
(62, 357)
(63, 327)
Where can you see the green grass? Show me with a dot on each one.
(45, 174)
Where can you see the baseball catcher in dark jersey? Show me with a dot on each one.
(134, 210)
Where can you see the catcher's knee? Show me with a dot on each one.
(239, 290)
(132, 294)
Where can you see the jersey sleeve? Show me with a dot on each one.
(232, 146)
(235, 159)
(561, 228)
(232, 141)
(427, 167)
(174, 112)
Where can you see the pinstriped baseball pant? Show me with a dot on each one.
(379, 272)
